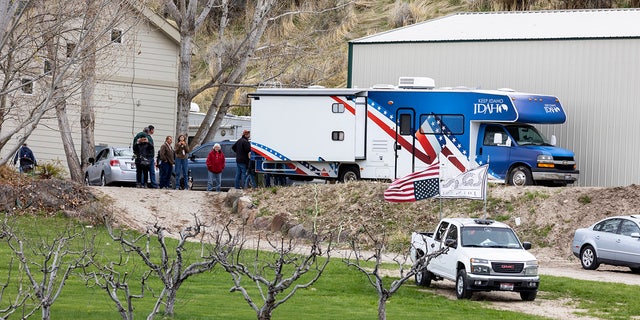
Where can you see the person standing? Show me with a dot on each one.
(215, 165)
(26, 158)
(182, 162)
(144, 153)
(242, 148)
(147, 132)
(166, 159)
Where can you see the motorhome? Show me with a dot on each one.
(387, 132)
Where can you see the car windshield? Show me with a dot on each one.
(123, 152)
(527, 135)
(489, 237)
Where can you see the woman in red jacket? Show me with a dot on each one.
(215, 165)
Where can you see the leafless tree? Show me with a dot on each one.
(108, 277)
(228, 56)
(379, 255)
(48, 61)
(172, 269)
(45, 266)
(275, 270)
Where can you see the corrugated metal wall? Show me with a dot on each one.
(597, 81)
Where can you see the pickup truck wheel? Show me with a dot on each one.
(423, 278)
(589, 258)
(520, 176)
(528, 295)
(461, 286)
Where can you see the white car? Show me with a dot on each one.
(614, 241)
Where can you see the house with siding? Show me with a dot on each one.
(587, 58)
(137, 88)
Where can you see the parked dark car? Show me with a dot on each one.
(198, 166)
(614, 241)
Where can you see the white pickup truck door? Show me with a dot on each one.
(450, 260)
(445, 265)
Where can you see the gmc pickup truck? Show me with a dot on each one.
(483, 255)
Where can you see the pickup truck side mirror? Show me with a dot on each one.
(526, 245)
(452, 243)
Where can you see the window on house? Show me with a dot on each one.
(337, 108)
(47, 67)
(27, 86)
(337, 135)
(116, 36)
(70, 48)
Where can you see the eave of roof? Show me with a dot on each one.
(165, 27)
(517, 25)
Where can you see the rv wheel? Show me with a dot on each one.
(349, 174)
(520, 176)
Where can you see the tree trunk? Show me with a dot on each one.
(382, 308)
(75, 170)
(184, 82)
(171, 301)
(87, 110)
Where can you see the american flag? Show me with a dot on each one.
(415, 186)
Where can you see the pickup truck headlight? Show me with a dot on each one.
(545, 161)
(531, 268)
(479, 266)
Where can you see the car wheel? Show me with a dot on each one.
(589, 258)
(103, 180)
(520, 176)
(349, 173)
(86, 180)
(528, 295)
(423, 278)
(461, 285)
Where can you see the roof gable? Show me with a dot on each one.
(517, 25)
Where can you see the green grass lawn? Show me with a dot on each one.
(341, 293)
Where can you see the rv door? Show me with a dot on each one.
(405, 142)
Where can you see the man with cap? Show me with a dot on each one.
(242, 148)
(147, 132)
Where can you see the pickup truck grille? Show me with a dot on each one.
(507, 267)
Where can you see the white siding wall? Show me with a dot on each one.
(137, 87)
(596, 81)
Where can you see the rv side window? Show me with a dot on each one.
(337, 135)
(337, 108)
(490, 133)
(442, 124)
(405, 124)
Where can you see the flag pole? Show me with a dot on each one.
(485, 191)
(441, 164)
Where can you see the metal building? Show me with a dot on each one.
(590, 59)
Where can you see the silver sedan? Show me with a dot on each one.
(614, 241)
(111, 165)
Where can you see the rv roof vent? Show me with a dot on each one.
(506, 89)
(416, 83)
(383, 86)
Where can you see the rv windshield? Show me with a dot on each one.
(526, 135)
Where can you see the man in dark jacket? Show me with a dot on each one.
(147, 132)
(26, 157)
(242, 148)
